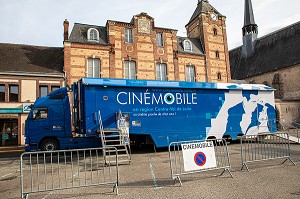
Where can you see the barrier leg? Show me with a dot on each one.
(289, 160)
(226, 169)
(245, 165)
(177, 178)
(25, 196)
(115, 188)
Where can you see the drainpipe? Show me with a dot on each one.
(205, 63)
(206, 69)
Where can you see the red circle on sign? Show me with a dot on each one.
(200, 159)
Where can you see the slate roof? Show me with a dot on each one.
(274, 51)
(79, 34)
(203, 7)
(196, 46)
(31, 59)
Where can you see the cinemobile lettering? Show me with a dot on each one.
(124, 98)
(197, 145)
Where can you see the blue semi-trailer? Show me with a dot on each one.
(157, 112)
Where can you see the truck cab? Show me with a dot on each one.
(48, 122)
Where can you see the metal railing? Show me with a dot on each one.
(45, 171)
(291, 127)
(263, 125)
(178, 164)
(294, 131)
(266, 146)
(285, 124)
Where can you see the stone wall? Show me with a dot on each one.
(286, 82)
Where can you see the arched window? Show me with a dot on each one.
(215, 32)
(187, 45)
(217, 55)
(93, 34)
(219, 76)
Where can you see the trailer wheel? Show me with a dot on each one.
(49, 145)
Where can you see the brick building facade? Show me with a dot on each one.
(140, 50)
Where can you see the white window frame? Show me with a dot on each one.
(93, 73)
(93, 35)
(160, 73)
(190, 73)
(187, 46)
(160, 39)
(129, 35)
(129, 67)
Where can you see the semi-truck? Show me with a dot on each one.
(155, 112)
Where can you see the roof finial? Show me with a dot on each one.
(199, 1)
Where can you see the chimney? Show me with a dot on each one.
(66, 30)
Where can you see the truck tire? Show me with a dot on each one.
(49, 145)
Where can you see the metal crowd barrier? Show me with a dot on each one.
(45, 171)
(177, 162)
(266, 146)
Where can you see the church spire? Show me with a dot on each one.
(249, 30)
(249, 17)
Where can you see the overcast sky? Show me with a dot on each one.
(40, 22)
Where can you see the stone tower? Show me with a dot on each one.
(208, 25)
(249, 30)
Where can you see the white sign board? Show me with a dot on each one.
(198, 155)
(26, 107)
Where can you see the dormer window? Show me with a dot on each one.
(93, 35)
(187, 45)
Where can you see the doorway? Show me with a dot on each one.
(8, 132)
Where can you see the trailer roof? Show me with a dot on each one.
(172, 84)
